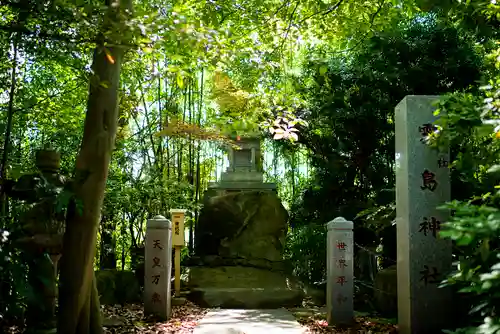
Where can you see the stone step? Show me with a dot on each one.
(246, 298)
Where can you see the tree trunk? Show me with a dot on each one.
(198, 184)
(191, 163)
(4, 206)
(107, 258)
(79, 311)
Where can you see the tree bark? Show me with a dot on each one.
(79, 311)
(107, 258)
(10, 113)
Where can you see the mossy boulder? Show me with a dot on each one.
(240, 240)
(118, 287)
(244, 225)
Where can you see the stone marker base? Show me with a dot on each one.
(246, 298)
(242, 288)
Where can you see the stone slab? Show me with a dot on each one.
(277, 321)
(242, 176)
(247, 298)
(243, 185)
(236, 277)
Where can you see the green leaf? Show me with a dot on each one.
(104, 84)
(485, 249)
(495, 169)
(15, 171)
(323, 69)
(485, 130)
(449, 234)
(180, 80)
(465, 239)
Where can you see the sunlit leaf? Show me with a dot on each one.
(278, 136)
(323, 69)
(180, 80)
(109, 57)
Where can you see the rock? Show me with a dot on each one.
(117, 287)
(317, 294)
(246, 298)
(386, 291)
(113, 321)
(250, 226)
(178, 301)
(45, 331)
(307, 312)
(140, 272)
(239, 245)
(219, 261)
(242, 287)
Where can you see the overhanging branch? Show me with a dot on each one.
(323, 12)
(60, 37)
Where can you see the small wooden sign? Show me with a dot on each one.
(178, 227)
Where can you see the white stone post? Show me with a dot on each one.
(158, 267)
(340, 272)
(422, 184)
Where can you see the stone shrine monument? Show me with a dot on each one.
(239, 239)
(244, 171)
(422, 184)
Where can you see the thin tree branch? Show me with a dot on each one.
(61, 37)
(289, 25)
(321, 12)
(271, 17)
(50, 97)
(365, 35)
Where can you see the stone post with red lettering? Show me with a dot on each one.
(340, 272)
(422, 185)
(158, 267)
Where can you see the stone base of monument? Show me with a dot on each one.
(239, 242)
(242, 288)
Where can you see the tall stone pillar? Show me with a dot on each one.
(422, 184)
(340, 272)
(158, 267)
